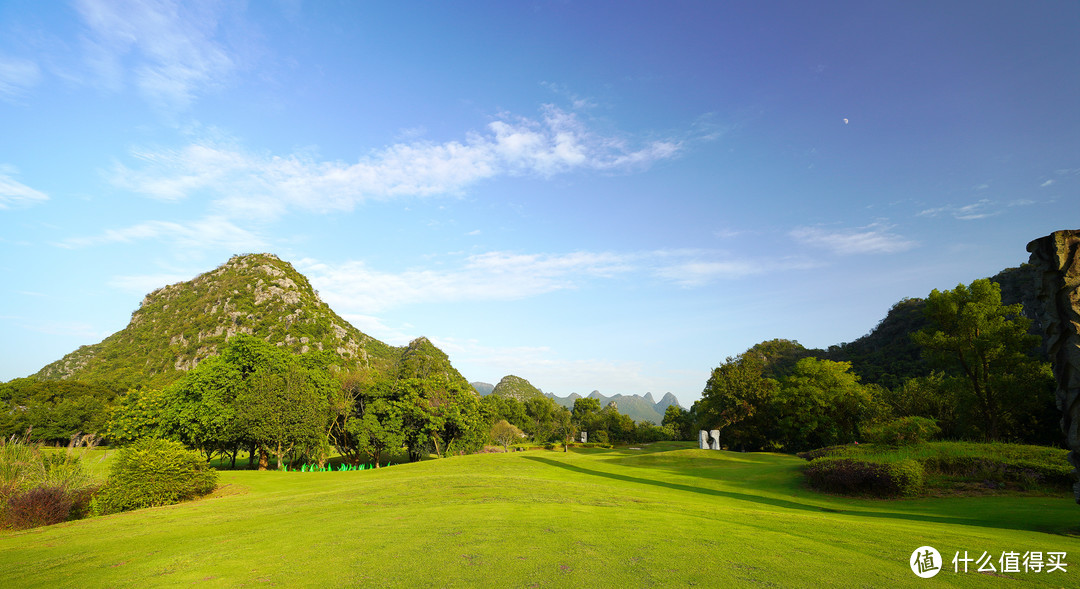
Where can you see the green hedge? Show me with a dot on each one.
(859, 477)
(153, 472)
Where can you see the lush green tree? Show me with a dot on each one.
(985, 342)
(201, 408)
(541, 414)
(736, 401)
(137, 415)
(681, 423)
(508, 408)
(54, 410)
(441, 414)
(505, 433)
(822, 404)
(586, 414)
(564, 426)
(281, 410)
(620, 428)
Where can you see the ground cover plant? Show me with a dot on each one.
(938, 468)
(662, 515)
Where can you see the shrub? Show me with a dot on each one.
(40, 506)
(153, 472)
(821, 452)
(904, 431)
(858, 477)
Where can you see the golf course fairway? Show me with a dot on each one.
(664, 515)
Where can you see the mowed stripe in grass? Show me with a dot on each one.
(665, 515)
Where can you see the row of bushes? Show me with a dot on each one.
(39, 488)
(891, 471)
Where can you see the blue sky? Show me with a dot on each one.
(590, 195)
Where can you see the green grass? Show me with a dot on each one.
(665, 515)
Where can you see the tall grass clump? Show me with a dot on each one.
(154, 472)
(39, 487)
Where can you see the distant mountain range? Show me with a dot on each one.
(637, 407)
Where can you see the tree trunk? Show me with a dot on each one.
(264, 461)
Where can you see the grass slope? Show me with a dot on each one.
(665, 515)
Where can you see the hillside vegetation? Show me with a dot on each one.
(179, 325)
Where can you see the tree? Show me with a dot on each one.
(564, 426)
(680, 421)
(971, 332)
(137, 415)
(735, 401)
(585, 414)
(200, 409)
(282, 410)
(541, 413)
(504, 433)
(822, 404)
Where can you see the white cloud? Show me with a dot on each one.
(353, 286)
(17, 75)
(872, 239)
(699, 272)
(266, 185)
(14, 194)
(212, 231)
(167, 45)
(481, 277)
(1047, 183)
(977, 210)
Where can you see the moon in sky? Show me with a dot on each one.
(845, 121)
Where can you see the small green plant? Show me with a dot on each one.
(153, 472)
(904, 431)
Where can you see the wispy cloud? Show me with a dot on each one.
(246, 183)
(17, 76)
(481, 277)
(872, 239)
(977, 210)
(168, 46)
(212, 231)
(14, 194)
(499, 276)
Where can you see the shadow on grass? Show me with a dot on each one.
(786, 503)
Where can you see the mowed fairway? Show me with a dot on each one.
(665, 515)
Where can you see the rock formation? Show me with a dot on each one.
(1056, 258)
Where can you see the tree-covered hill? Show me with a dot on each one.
(515, 387)
(179, 325)
(887, 355)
